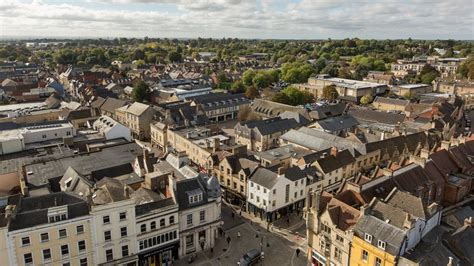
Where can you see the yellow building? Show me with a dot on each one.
(50, 229)
(364, 253)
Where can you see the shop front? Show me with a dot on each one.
(160, 256)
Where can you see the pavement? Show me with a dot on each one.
(279, 244)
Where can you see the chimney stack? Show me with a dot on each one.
(126, 192)
(468, 222)
(216, 144)
(280, 171)
(450, 263)
(334, 151)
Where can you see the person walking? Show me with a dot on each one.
(238, 234)
(228, 240)
(297, 252)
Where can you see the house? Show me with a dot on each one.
(219, 107)
(107, 106)
(111, 129)
(330, 221)
(390, 104)
(335, 166)
(271, 195)
(388, 229)
(260, 135)
(411, 89)
(233, 173)
(199, 201)
(270, 109)
(381, 77)
(137, 117)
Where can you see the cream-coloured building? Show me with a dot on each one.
(137, 117)
(51, 229)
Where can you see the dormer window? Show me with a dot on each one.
(381, 244)
(368, 238)
(56, 214)
(195, 196)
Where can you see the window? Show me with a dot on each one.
(251, 184)
(83, 262)
(202, 216)
(368, 238)
(107, 236)
(378, 261)
(381, 244)
(153, 225)
(122, 216)
(365, 255)
(162, 222)
(46, 254)
(44, 237)
(28, 258)
(264, 190)
(258, 199)
(301, 192)
(337, 254)
(189, 219)
(25, 241)
(109, 255)
(171, 219)
(274, 191)
(287, 193)
(251, 195)
(325, 229)
(62, 233)
(264, 202)
(81, 245)
(143, 228)
(296, 194)
(123, 231)
(80, 229)
(64, 250)
(296, 183)
(125, 251)
(106, 219)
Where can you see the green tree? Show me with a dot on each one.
(247, 77)
(238, 87)
(410, 96)
(175, 57)
(261, 80)
(296, 72)
(280, 97)
(330, 92)
(366, 99)
(427, 74)
(251, 92)
(140, 91)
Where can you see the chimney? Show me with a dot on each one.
(424, 153)
(450, 263)
(216, 144)
(280, 171)
(408, 223)
(445, 144)
(468, 222)
(126, 192)
(382, 137)
(316, 200)
(334, 151)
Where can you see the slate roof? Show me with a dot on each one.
(111, 104)
(264, 177)
(380, 230)
(97, 103)
(330, 110)
(272, 109)
(187, 186)
(367, 115)
(444, 162)
(407, 202)
(331, 163)
(342, 215)
(294, 173)
(271, 126)
(391, 101)
(337, 123)
(33, 211)
(137, 108)
(78, 114)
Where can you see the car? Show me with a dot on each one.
(251, 258)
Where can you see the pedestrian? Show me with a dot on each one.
(228, 240)
(233, 215)
(238, 234)
(240, 212)
(297, 252)
(288, 221)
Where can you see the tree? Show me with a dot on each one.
(296, 72)
(280, 97)
(261, 80)
(330, 92)
(246, 113)
(410, 96)
(366, 99)
(175, 57)
(293, 96)
(247, 77)
(427, 74)
(251, 92)
(237, 87)
(140, 91)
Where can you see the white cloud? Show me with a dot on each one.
(306, 19)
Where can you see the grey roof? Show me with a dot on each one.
(380, 230)
(407, 202)
(272, 125)
(264, 177)
(190, 186)
(294, 173)
(272, 109)
(330, 110)
(137, 108)
(367, 115)
(392, 101)
(337, 123)
(111, 104)
(33, 211)
(42, 173)
(331, 163)
(318, 140)
(283, 152)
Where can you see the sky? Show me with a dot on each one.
(261, 19)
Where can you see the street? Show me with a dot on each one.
(279, 246)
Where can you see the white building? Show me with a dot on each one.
(199, 213)
(111, 129)
(271, 195)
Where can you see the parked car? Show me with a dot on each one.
(251, 258)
